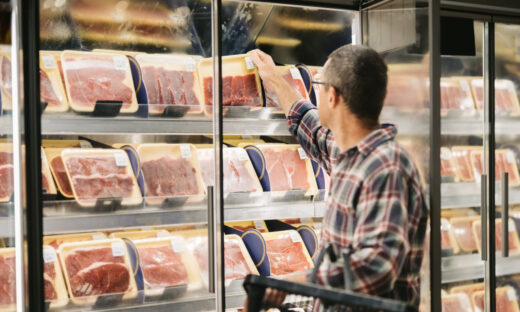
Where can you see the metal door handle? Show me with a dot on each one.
(505, 215)
(483, 216)
(211, 242)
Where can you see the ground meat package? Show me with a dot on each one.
(101, 174)
(6, 86)
(448, 239)
(170, 80)
(456, 97)
(462, 159)
(167, 262)
(239, 174)
(170, 170)
(506, 100)
(292, 75)
(91, 77)
(462, 229)
(506, 300)
(469, 290)
(448, 168)
(55, 241)
(456, 303)
(240, 82)
(134, 235)
(505, 161)
(287, 253)
(514, 241)
(51, 84)
(96, 268)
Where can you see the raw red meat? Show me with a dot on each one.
(49, 274)
(462, 158)
(98, 81)
(236, 91)
(513, 236)
(404, 91)
(445, 239)
(47, 91)
(463, 232)
(286, 256)
(6, 158)
(456, 303)
(5, 77)
(287, 171)
(501, 165)
(61, 175)
(94, 165)
(452, 97)
(447, 167)
(7, 280)
(272, 100)
(168, 176)
(503, 100)
(162, 267)
(114, 185)
(506, 300)
(94, 271)
(6, 181)
(468, 290)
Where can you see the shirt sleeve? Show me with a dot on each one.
(379, 244)
(317, 141)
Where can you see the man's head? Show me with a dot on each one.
(354, 75)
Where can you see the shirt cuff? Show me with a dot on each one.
(296, 113)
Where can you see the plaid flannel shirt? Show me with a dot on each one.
(375, 208)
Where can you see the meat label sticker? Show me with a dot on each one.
(510, 157)
(120, 62)
(249, 63)
(163, 233)
(49, 62)
(295, 237)
(190, 65)
(295, 73)
(259, 225)
(98, 236)
(121, 159)
(302, 153)
(83, 144)
(445, 154)
(177, 244)
(49, 255)
(118, 249)
(445, 225)
(242, 155)
(185, 151)
(511, 295)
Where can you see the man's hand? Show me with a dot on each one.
(273, 80)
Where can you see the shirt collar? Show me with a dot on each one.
(377, 137)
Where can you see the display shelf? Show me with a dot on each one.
(464, 195)
(471, 267)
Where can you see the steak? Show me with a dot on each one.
(456, 303)
(462, 158)
(168, 176)
(47, 91)
(286, 256)
(287, 171)
(6, 181)
(162, 267)
(236, 91)
(8, 280)
(297, 84)
(49, 275)
(62, 178)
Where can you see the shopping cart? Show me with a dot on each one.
(332, 299)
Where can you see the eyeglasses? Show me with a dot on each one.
(318, 84)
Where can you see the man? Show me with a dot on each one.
(376, 208)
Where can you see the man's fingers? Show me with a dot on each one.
(274, 297)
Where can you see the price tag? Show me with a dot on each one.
(445, 225)
(295, 237)
(98, 236)
(302, 153)
(163, 233)
(295, 73)
(185, 151)
(445, 154)
(249, 63)
(465, 86)
(511, 295)
(190, 65)
(118, 249)
(120, 62)
(84, 144)
(49, 62)
(259, 225)
(242, 155)
(177, 244)
(49, 255)
(121, 159)
(510, 157)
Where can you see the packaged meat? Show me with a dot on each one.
(462, 229)
(287, 253)
(66, 143)
(101, 174)
(247, 225)
(469, 290)
(53, 283)
(170, 170)
(447, 237)
(8, 280)
(506, 100)
(240, 82)
(96, 268)
(6, 86)
(166, 262)
(504, 162)
(514, 241)
(288, 168)
(448, 169)
(6, 172)
(57, 168)
(404, 91)
(55, 241)
(292, 75)
(239, 174)
(462, 158)
(51, 85)
(456, 303)
(506, 300)
(170, 80)
(456, 97)
(133, 235)
(48, 185)
(415, 147)
(91, 77)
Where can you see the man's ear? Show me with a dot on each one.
(334, 98)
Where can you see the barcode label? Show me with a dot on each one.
(465, 86)
(163, 233)
(259, 225)
(249, 63)
(98, 236)
(49, 255)
(445, 154)
(302, 153)
(185, 151)
(177, 244)
(84, 144)
(295, 237)
(445, 225)
(190, 65)
(49, 62)
(510, 157)
(118, 249)
(121, 159)
(511, 295)
(120, 62)
(242, 155)
(295, 73)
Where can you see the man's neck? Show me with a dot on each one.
(350, 132)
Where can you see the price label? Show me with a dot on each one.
(242, 155)
(49, 255)
(185, 151)
(295, 237)
(445, 154)
(177, 244)
(295, 73)
(302, 153)
(163, 233)
(465, 86)
(445, 225)
(190, 65)
(510, 157)
(249, 63)
(98, 236)
(84, 144)
(121, 159)
(118, 249)
(259, 225)
(49, 62)
(511, 295)
(120, 62)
